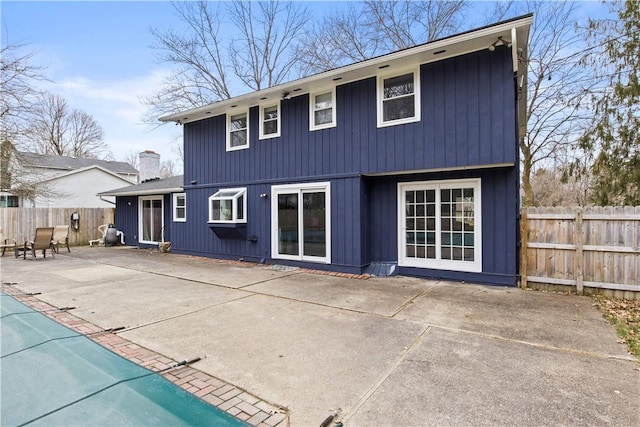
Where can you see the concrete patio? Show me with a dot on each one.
(393, 351)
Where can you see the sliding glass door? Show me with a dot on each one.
(151, 220)
(301, 222)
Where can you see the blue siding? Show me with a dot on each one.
(468, 119)
(499, 223)
(127, 218)
(199, 238)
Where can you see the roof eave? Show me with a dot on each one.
(437, 50)
(142, 192)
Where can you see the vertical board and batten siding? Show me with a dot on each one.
(499, 224)
(21, 223)
(201, 239)
(452, 132)
(127, 218)
(594, 249)
(468, 120)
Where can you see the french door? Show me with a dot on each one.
(151, 220)
(440, 225)
(300, 216)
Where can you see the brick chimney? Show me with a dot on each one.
(149, 166)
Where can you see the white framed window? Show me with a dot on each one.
(398, 98)
(322, 109)
(237, 131)
(9, 201)
(270, 121)
(301, 222)
(440, 225)
(228, 205)
(179, 207)
(151, 219)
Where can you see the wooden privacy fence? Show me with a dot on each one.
(21, 223)
(594, 249)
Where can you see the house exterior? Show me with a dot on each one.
(146, 212)
(65, 182)
(405, 163)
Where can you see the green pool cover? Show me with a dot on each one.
(51, 375)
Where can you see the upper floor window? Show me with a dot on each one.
(237, 131)
(322, 110)
(228, 205)
(179, 207)
(398, 99)
(269, 121)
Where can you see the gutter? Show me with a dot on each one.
(108, 201)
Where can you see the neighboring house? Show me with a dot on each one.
(404, 163)
(66, 182)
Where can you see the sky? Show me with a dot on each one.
(98, 57)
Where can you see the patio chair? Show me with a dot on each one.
(103, 231)
(61, 237)
(42, 241)
(6, 243)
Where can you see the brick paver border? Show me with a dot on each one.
(225, 396)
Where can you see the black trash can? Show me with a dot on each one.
(111, 236)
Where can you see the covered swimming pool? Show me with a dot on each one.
(52, 375)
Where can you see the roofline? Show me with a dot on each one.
(143, 192)
(205, 112)
(67, 168)
(86, 168)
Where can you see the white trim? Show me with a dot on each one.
(86, 168)
(438, 263)
(140, 219)
(438, 50)
(453, 168)
(415, 71)
(240, 191)
(514, 49)
(147, 192)
(312, 110)
(300, 189)
(229, 115)
(261, 123)
(175, 207)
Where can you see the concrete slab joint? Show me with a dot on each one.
(392, 351)
(215, 391)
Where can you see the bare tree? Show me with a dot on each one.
(360, 31)
(19, 178)
(168, 169)
(210, 64)
(86, 138)
(56, 129)
(133, 158)
(552, 188)
(17, 79)
(558, 87)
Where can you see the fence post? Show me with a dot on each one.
(524, 237)
(579, 258)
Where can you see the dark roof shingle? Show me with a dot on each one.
(72, 163)
(155, 186)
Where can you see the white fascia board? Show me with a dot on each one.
(84, 169)
(142, 192)
(438, 50)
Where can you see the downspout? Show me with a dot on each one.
(517, 201)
